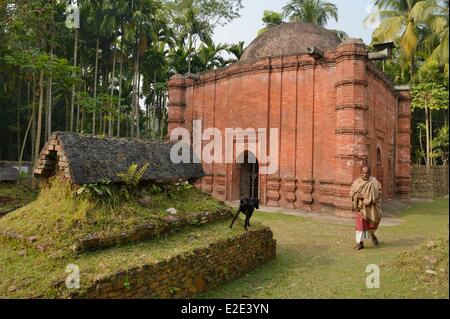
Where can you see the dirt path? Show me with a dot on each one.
(390, 209)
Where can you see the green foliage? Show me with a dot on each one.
(104, 193)
(126, 283)
(133, 176)
(433, 96)
(441, 144)
(270, 19)
(312, 11)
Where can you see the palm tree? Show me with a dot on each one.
(397, 23)
(103, 25)
(144, 13)
(434, 14)
(209, 55)
(237, 49)
(312, 11)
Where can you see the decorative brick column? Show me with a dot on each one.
(403, 147)
(306, 188)
(177, 102)
(219, 188)
(351, 150)
(273, 191)
(207, 184)
(289, 186)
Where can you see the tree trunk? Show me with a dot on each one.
(33, 114)
(23, 146)
(120, 95)
(49, 108)
(72, 102)
(39, 121)
(110, 123)
(163, 116)
(427, 129)
(421, 145)
(431, 137)
(95, 85)
(138, 131)
(133, 102)
(18, 115)
(412, 66)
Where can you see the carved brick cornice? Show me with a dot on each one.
(351, 55)
(177, 121)
(354, 131)
(352, 106)
(351, 82)
(175, 85)
(351, 157)
(263, 65)
(177, 104)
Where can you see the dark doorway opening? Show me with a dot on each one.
(249, 177)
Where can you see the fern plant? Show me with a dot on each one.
(104, 193)
(133, 176)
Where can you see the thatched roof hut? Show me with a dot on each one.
(88, 159)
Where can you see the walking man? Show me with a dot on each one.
(366, 201)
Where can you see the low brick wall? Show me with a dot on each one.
(168, 224)
(429, 183)
(188, 274)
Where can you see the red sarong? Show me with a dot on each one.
(363, 225)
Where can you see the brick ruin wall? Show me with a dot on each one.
(190, 273)
(429, 183)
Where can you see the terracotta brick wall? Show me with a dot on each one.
(333, 115)
(190, 273)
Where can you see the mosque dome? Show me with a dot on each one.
(290, 39)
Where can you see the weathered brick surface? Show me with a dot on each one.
(429, 183)
(333, 114)
(188, 274)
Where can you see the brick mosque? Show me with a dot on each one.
(335, 111)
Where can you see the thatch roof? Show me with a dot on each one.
(8, 174)
(87, 159)
(291, 39)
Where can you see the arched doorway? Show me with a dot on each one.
(249, 179)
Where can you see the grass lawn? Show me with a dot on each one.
(13, 195)
(27, 273)
(315, 259)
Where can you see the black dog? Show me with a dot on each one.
(246, 206)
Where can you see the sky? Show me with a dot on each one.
(351, 15)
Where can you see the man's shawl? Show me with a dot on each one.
(370, 206)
